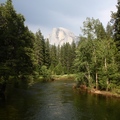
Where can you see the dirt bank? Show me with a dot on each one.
(105, 93)
(94, 91)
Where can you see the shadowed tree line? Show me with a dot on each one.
(24, 56)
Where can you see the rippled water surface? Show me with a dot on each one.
(57, 101)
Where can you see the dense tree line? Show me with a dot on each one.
(98, 54)
(16, 45)
(25, 56)
(62, 58)
(96, 57)
(57, 59)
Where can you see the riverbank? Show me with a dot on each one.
(105, 93)
(64, 77)
(99, 92)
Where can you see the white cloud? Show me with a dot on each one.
(105, 15)
(70, 14)
(34, 28)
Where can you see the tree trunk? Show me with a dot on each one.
(96, 74)
(107, 82)
(96, 77)
(2, 88)
(89, 77)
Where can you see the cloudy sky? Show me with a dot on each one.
(48, 14)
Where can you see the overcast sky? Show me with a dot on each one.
(48, 14)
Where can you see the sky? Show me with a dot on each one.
(70, 14)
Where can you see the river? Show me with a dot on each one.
(57, 101)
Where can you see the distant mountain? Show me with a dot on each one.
(59, 36)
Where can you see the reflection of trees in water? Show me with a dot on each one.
(2, 90)
(2, 87)
(2, 99)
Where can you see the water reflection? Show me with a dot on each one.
(2, 96)
(57, 101)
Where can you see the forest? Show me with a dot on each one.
(27, 57)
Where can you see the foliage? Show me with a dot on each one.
(59, 69)
(95, 57)
(116, 31)
(25, 56)
(16, 44)
(45, 73)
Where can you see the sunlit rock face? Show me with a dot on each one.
(59, 36)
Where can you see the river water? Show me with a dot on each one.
(57, 101)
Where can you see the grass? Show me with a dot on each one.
(64, 77)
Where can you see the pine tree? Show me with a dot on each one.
(117, 26)
(116, 19)
(95, 57)
(72, 57)
(53, 58)
(40, 52)
(47, 54)
(16, 45)
(66, 57)
(82, 62)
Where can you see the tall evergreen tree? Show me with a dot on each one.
(116, 17)
(116, 21)
(42, 52)
(82, 62)
(47, 54)
(95, 57)
(53, 58)
(16, 44)
(72, 57)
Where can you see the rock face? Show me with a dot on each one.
(59, 36)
